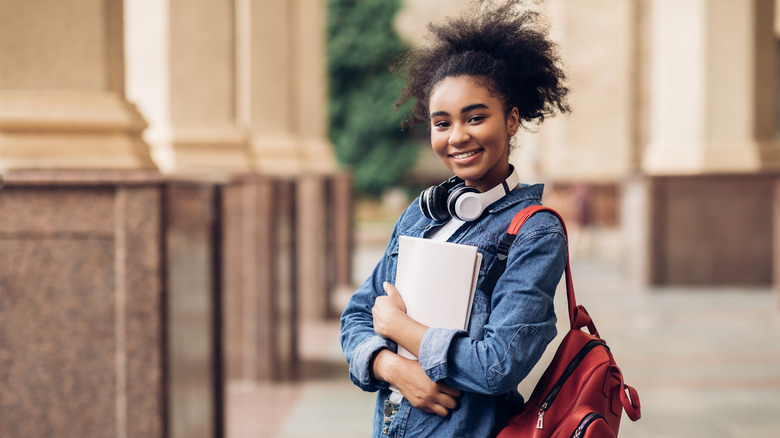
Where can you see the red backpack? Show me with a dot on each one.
(582, 393)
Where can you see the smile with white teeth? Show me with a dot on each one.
(463, 155)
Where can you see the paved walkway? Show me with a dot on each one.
(706, 363)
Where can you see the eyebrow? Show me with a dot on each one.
(463, 110)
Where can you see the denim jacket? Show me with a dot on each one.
(507, 333)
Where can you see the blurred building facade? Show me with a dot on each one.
(166, 162)
(675, 103)
(673, 133)
(170, 209)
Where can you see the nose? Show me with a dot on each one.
(459, 135)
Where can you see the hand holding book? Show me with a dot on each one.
(405, 375)
(391, 320)
(436, 283)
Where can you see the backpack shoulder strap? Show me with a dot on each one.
(578, 316)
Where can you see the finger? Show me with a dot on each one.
(389, 288)
(394, 295)
(440, 410)
(447, 401)
(446, 389)
(435, 410)
(427, 410)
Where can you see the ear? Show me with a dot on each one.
(513, 121)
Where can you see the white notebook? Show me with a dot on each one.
(437, 282)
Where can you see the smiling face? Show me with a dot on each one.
(470, 131)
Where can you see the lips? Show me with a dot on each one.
(465, 155)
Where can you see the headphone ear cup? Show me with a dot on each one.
(465, 211)
(433, 203)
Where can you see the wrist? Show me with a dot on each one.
(398, 320)
(381, 366)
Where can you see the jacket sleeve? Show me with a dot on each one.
(520, 326)
(359, 342)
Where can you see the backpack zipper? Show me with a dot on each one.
(550, 398)
(590, 418)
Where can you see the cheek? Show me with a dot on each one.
(439, 143)
(498, 136)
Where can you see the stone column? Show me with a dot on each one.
(62, 101)
(340, 242)
(776, 244)
(181, 72)
(259, 278)
(282, 103)
(266, 81)
(81, 309)
(316, 157)
(594, 142)
(310, 85)
(713, 87)
(711, 155)
(193, 309)
(282, 84)
(312, 235)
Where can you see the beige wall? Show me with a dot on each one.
(206, 95)
(42, 49)
(225, 86)
(62, 99)
(594, 142)
(713, 78)
(657, 87)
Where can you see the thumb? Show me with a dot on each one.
(389, 288)
(394, 295)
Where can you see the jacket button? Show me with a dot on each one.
(388, 411)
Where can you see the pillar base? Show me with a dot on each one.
(701, 230)
(71, 130)
(82, 301)
(215, 148)
(683, 159)
(277, 156)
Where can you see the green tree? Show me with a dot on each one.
(364, 129)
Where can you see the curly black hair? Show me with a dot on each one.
(504, 47)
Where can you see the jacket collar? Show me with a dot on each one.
(519, 194)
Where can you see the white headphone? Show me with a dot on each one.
(452, 198)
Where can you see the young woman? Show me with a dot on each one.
(483, 77)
